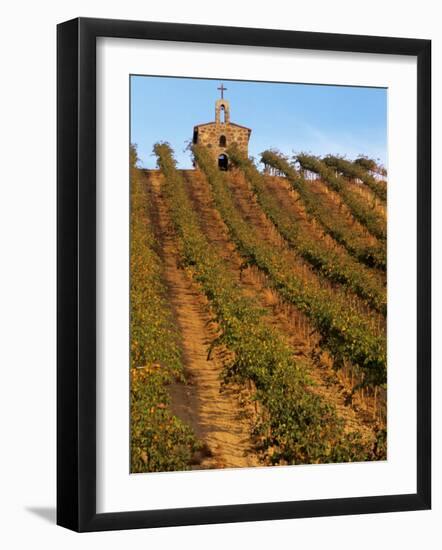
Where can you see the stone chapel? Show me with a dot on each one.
(222, 133)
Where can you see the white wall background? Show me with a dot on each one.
(27, 289)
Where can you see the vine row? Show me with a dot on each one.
(340, 268)
(344, 333)
(160, 441)
(355, 170)
(295, 425)
(362, 212)
(372, 256)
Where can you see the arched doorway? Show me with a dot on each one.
(223, 162)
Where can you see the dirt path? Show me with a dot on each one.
(282, 316)
(214, 412)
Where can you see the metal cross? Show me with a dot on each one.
(222, 90)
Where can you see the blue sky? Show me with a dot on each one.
(290, 117)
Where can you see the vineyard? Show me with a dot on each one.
(258, 311)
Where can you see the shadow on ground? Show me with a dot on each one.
(46, 513)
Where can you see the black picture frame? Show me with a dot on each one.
(77, 287)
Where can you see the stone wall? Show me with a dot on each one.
(209, 135)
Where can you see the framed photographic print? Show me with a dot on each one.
(243, 274)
